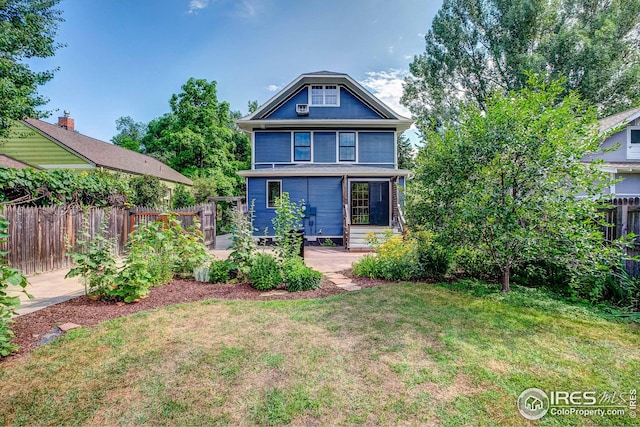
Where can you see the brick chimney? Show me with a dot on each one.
(66, 121)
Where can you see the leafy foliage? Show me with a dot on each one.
(243, 246)
(405, 153)
(182, 197)
(508, 181)
(27, 30)
(286, 223)
(265, 272)
(299, 277)
(189, 249)
(94, 259)
(130, 133)
(60, 186)
(8, 304)
(417, 256)
(148, 191)
(220, 271)
(474, 48)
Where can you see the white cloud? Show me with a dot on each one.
(248, 8)
(196, 6)
(273, 88)
(390, 49)
(387, 87)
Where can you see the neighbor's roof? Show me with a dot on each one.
(619, 119)
(106, 155)
(388, 116)
(324, 170)
(10, 162)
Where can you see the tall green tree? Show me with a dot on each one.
(27, 30)
(405, 153)
(508, 180)
(130, 133)
(477, 46)
(199, 137)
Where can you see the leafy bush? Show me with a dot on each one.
(299, 277)
(243, 246)
(189, 247)
(286, 223)
(473, 263)
(151, 248)
(220, 271)
(60, 186)
(397, 258)
(432, 259)
(367, 266)
(182, 197)
(94, 260)
(8, 304)
(265, 272)
(147, 191)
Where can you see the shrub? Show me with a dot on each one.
(95, 260)
(190, 249)
(474, 263)
(243, 246)
(8, 304)
(265, 272)
(151, 249)
(367, 266)
(201, 274)
(220, 271)
(433, 259)
(286, 223)
(396, 257)
(147, 191)
(182, 197)
(299, 277)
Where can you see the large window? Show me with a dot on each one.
(634, 136)
(325, 95)
(301, 146)
(347, 147)
(274, 191)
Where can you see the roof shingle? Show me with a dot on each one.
(104, 154)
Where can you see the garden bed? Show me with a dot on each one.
(30, 328)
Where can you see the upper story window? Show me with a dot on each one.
(634, 135)
(325, 95)
(347, 147)
(301, 146)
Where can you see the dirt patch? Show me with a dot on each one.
(30, 328)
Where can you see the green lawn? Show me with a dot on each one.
(396, 354)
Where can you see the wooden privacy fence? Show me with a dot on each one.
(38, 236)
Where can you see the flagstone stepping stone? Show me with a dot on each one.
(68, 326)
(340, 281)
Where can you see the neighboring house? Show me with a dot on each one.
(42, 145)
(328, 141)
(622, 153)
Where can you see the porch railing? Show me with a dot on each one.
(346, 221)
(402, 224)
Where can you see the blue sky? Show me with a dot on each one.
(127, 57)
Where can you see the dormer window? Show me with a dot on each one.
(633, 139)
(324, 95)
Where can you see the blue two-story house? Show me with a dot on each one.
(328, 141)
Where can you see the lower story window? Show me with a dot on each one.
(274, 192)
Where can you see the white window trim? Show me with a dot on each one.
(279, 181)
(635, 155)
(338, 147)
(324, 86)
(293, 146)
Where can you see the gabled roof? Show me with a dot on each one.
(389, 117)
(619, 119)
(103, 154)
(10, 162)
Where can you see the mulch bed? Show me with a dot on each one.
(30, 328)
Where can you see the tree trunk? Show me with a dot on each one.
(506, 277)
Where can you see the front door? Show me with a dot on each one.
(370, 203)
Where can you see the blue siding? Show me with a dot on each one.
(322, 193)
(324, 147)
(350, 108)
(272, 147)
(375, 147)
